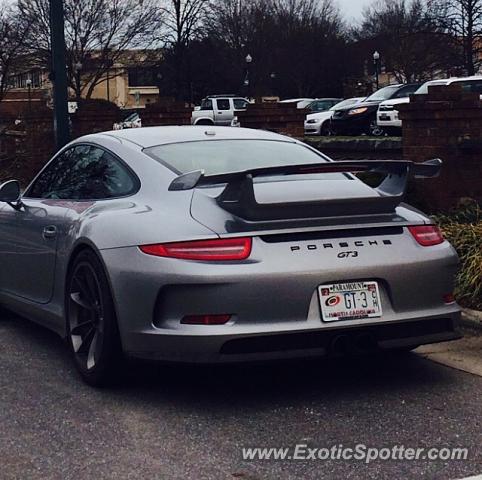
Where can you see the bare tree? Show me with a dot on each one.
(184, 21)
(97, 34)
(12, 45)
(297, 45)
(411, 41)
(462, 19)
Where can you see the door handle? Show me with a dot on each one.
(50, 231)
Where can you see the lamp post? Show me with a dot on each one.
(376, 62)
(78, 68)
(28, 82)
(272, 77)
(159, 78)
(59, 73)
(248, 60)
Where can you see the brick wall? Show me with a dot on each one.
(358, 148)
(94, 116)
(166, 112)
(282, 118)
(446, 124)
(29, 142)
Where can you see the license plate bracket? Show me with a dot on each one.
(349, 301)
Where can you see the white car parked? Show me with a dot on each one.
(319, 123)
(300, 102)
(218, 110)
(387, 115)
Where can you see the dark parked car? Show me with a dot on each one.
(361, 118)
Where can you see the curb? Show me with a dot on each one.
(471, 318)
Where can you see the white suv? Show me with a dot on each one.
(218, 110)
(387, 115)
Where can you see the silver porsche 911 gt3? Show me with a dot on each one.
(204, 244)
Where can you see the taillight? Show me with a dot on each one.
(427, 235)
(448, 298)
(219, 249)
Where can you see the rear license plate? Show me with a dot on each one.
(349, 301)
(384, 117)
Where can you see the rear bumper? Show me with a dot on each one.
(274, 297)
(389, 120)
(263, 346)
(313, 128)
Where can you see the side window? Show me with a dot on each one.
(84, 173)
(474, 86)
(240, 104)
(223, 104)
(207, 104)
(53, 176)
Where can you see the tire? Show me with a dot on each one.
(374, 130)
(325, 130)
(91, 324)
(205, 122)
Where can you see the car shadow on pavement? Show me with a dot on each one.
(234, 383)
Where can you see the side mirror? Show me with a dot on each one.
(10, 192)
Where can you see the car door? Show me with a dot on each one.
(7, 246)
(38, 226)
(223, 113)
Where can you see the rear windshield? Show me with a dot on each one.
(226, 156)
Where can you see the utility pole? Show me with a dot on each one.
(59, 73)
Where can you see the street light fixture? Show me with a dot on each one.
(272, 77)
(28, 82)
(376, 62)
(248, 59)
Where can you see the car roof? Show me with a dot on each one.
(448, 81)
(152, 136)
(292, 100)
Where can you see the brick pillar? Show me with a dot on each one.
(446, 123)
(282, 118)
(166, 112)
(28, 145)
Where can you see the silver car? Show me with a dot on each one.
(207, 244)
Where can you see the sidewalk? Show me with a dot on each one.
(472, 318)
(464, 354)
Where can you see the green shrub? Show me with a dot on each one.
(463, 229)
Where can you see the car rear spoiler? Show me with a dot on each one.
(238, 197)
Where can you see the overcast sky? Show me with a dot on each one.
(351, 9)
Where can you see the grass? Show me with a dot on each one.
(463, 229)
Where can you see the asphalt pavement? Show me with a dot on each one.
(171, 422)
